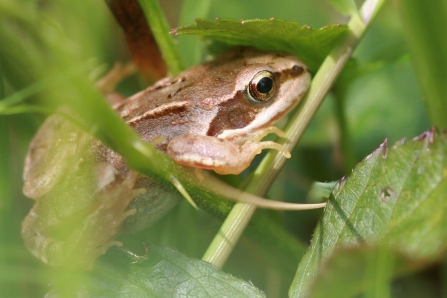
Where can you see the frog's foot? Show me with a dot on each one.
(108, 216)
(222, 156)
(119, 71)
(256, 137)
(259, 134)
(108, 83)
(87, 234)
(199, 174)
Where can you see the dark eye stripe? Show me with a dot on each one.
(234, 113)
(237, 112)
(290, 73)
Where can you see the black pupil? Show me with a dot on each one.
(264, 85)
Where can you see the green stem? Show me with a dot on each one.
(229, 234)
(378, 270)
(236, 222)
(159, 27)
(192, 48)
(2, 86)
(349, 158)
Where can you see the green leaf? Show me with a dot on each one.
(320, 190)
(424, 28)
(312, 45)
(163, 272)
(394, 197)
(349, 272)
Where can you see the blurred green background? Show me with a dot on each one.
(379, 98)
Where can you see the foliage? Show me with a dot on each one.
(162, 272)
(393, 197)
(312, 45)
(384, 225)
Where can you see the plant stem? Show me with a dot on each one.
(239, 217)
(347, 151)
(379, 270)
(192, 48)
(2, 86)
(229, 234)
(159, 27)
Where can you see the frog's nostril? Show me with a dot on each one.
(296, 70)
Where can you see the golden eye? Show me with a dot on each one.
(262, 86)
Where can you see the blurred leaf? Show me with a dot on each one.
(424, 25)
(374, 98)
(191, 47)
(320, 190)
(10, 49)
(344, 6)
(395, 197)
(349, 272)
(310, 44)
(163, 272)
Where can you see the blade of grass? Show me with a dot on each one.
(159, 26)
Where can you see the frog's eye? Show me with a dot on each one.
(262, 86)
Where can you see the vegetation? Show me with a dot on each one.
(384, 229)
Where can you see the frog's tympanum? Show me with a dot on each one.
(211, 116)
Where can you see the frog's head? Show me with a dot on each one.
(260, 88)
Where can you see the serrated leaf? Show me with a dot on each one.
(394, 197)
(163, 272)
(312, 45)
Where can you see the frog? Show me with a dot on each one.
(211, 116)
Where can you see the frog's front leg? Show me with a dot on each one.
(220, 155)
(77, 240)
